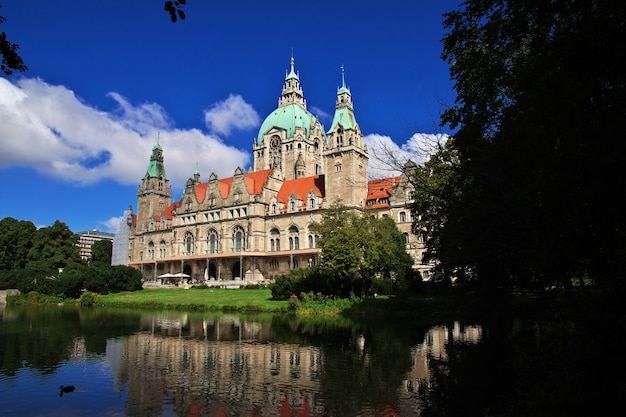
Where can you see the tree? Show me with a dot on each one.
(11, 61)
(175, 9)
(101, 253)
(16, 239)
(356, 248)
(53, 248)
(539, 112)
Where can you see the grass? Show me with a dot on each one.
(242, 300)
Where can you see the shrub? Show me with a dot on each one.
(89, 299)
(284, 286)
(294, 303)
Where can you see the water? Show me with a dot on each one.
(131, 363)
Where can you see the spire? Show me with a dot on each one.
(292, 72)
(292, 92)
(196, 175)
(343, 88)
(156, 168)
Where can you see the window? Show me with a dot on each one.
(274, 239)
(273, 264)
(338, 167)
(402, 217)
(406, 238)
(294, 240)
(212, 241)
(239, 241)
(151, 250)
(188, 243)
(162, 249)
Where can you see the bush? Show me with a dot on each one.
(284, 286)
(89, 299)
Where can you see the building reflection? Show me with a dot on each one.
(231, 366)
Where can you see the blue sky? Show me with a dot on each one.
(107, 78)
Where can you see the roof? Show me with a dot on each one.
(381, 189)
(345, 117)
(288, 118)
(168, 211)
(254, 182)
(301, 188)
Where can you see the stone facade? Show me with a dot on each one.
(252, 227)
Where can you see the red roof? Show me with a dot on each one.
(254, 184)
(168, 211)
(301, 187)
(380, 189)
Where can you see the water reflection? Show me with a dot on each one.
(148, 364)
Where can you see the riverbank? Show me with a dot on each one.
(194, 299)
(442, 303)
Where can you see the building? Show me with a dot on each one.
(255, 225)
(87, 238)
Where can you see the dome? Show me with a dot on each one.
(288, 118)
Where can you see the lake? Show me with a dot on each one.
(145, 363)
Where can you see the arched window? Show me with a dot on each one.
(274, 239)
(162, 249)
(294, 240)
(151, 250)
(239, 239)
(273, 264)
(406, 239)
(310, 241)
(212, 241)
(402, 217)
(188, 240)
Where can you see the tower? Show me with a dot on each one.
(345, 155)
(154, 194)
(291, 139)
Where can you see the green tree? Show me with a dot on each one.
(356, 248)
(101, 253)
(16, 239)
(123, 278)
(539, 138)
(53, 248)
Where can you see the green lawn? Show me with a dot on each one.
(198, 299)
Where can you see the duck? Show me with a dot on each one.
(63, 389)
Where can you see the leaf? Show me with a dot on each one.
(181, 14)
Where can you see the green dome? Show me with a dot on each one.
(288, 118)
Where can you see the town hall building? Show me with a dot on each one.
(256, 225)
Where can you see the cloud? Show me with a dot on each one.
(324, 117)
(47, 128)
(112, 224)
(387, 157)
(232, 113)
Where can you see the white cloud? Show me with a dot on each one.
(232, 113)
(324, 117)
(387, 157)
(50, 130)
(112, 224)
